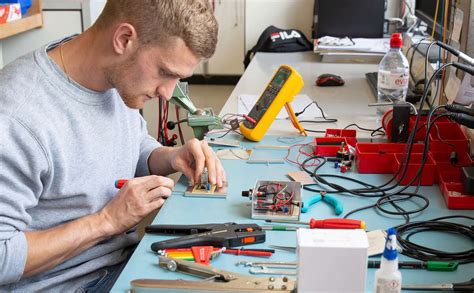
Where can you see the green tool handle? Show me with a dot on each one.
(441, 266)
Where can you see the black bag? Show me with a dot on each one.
(274, 39)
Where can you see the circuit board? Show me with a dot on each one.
(199, 190)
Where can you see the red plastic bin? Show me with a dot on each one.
(328, 146)
(443, 164)
(427, 174)
(420, 135)
(448, 137)
(378, 158)
(456, 198)
(348, 134)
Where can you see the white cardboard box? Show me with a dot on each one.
(331, 260)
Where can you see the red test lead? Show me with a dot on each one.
(119, 183)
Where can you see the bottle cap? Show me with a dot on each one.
(396, 40)
(390, 250)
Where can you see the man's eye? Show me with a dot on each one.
(165, 74)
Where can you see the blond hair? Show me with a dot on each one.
(158, 21)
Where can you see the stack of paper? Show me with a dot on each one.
(359, 48)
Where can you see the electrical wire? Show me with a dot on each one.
(325, 119)
(381, 191)
(424, 253)
(374, 132)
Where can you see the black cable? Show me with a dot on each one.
(424, 253)
(374, 132)
(325, 119)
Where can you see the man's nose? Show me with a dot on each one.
(166, 90)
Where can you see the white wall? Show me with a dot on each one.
(285, 14)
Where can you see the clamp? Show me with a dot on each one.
(216, 280)
(337, 204)
(219, 235)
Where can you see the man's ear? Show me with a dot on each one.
(125, 38)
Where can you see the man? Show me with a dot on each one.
(69, 127)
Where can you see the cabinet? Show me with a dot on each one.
(31, 20)
(60, 19)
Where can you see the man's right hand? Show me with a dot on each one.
(135, 200)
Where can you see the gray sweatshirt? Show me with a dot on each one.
(62, 146)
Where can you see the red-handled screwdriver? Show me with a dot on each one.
(248, 252)
(328, 223)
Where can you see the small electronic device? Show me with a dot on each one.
(275, 200)
(281, 90)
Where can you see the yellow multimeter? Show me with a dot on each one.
(281, 90)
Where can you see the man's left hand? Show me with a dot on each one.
(193, 156)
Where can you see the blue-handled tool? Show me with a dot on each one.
(338, 207)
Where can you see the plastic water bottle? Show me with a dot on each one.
(388, 278)
(392, 80)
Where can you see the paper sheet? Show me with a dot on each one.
(246, 103)
(360, 45)
(465, 95)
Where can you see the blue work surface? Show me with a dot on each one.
(235, 208)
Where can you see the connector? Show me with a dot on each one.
(459, 109)
(462, 119)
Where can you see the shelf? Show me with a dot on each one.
(33, 19)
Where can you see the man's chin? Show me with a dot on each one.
(137, 103)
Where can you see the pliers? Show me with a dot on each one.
(338, 207)
(464, 286)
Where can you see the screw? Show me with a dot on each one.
(270, 287)
(272, 279)
(285, 279)
(172, 266)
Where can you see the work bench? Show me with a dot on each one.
(349, 105)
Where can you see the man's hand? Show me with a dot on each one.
(136, 199)
(192, 157)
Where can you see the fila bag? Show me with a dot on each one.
(274, 39)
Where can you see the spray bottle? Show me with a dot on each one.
(388, 278)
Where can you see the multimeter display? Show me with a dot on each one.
(267, 97)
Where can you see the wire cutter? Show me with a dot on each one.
(215, 280)
(337, 204)
(219, 235)
(464, 286)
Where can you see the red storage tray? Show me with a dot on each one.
(328, 146)
(443, 158)
(348, 134)
(378, 158)
(427, 174)
(443, 164)
(420, 135)
(456, 197)
(448, 137)
(453, 190)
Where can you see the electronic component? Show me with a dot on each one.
(205, 189)
(285, 84)
(275, 200)
(213, 191)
